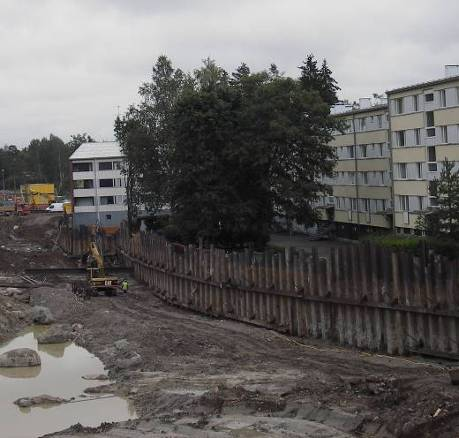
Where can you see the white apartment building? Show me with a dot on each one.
(361, 184)
(424, 123)
(98, 185)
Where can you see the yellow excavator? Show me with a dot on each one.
(97, 280)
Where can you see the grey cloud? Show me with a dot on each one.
(68, 64)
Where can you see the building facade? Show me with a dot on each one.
(362, 194)
(98, 185)
(390, 155)
(424, 123)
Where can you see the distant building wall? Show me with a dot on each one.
(107, 218)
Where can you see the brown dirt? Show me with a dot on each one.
(206, 377)
(27, 242)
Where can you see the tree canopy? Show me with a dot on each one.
(227, 153)
(43, 160)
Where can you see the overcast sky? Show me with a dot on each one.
(66, 65)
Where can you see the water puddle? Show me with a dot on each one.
(60, 375)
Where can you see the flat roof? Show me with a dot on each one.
(362, 110)
(104, 149)
(424, 84)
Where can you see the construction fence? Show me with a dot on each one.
(75, 241)
(360, 295)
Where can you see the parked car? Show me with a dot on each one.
(55, 207)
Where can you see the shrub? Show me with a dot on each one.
(415, 244)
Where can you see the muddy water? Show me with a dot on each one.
(62, 366)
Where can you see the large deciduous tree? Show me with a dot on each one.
(145, 135)
(231, 152)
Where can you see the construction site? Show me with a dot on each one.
(137, 363)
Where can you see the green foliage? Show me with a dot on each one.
(395, 242)
(416, 245)
(444, 221)
(320, 80)
(43, 161)
(146, 138)
(228, 153)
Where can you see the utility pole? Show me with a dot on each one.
(3, 178)
(356, 162)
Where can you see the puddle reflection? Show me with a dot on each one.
(62, 366)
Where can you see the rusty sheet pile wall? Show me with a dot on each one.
(360, 295)
(74, 241)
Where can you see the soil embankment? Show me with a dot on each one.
(189, 375)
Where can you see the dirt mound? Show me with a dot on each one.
(28, 242)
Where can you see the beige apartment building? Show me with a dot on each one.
(424, 126)
(361, 184)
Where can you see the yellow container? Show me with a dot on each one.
(68, 209)
(38, 195)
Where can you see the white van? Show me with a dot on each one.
(56, 207)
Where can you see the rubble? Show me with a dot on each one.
(56, 334)
(42, 315)
(20, 357)
(27, 402)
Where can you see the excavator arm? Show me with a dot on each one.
(95, 254)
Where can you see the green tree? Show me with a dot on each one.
(229, 152)
(444, 221)
(318, 79)
(145, 135)
(77, 140)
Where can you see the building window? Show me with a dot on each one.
(442, 98)
(399, 105)
(402, 170)
(429, 97)
(365, 178)
(415, 102)
(363, 124)
(366, 204)
(106, 182)
(381, 176)
(107, 200)
(354, 204)
(419, 170)
(400, 138)
(119, 199)
(404, 202)
(350, 151)
(108, 217)
(432, 158)
(430, 132)
(363, 150)
(444, 134)
(117, 165)
(83, 201)
(83, 184)
(430, 118)
(381, 149)
(82, 167)
(433, 185)
(105, 165)
(420, 201)
(379, 121)
(417, 136)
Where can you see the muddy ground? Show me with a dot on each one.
(190, 375)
